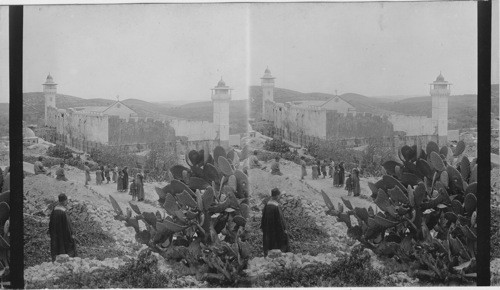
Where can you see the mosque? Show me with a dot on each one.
(117, 125)
(306, 121)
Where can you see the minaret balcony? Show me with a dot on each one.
(441, 92)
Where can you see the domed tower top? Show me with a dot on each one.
(221, 83)
(221, 91)
(49, 80)
(440, 78)
(267, 74)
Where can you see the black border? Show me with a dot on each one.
(484, 137)
(16, 145)
(484, 140)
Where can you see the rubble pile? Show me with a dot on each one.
(278, 260)
(65, 265)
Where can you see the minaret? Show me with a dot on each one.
(267, 84)
(49, 91)
(440, 91)
(221, 96)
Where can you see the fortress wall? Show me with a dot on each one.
(295, 120)
(72, 127)
(138, 130)
(193, 130)
(413, 125)
(345, 126)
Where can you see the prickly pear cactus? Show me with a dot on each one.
(205, 210)
(426, 211)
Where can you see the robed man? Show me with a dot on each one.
(275, 235)
(62, 240)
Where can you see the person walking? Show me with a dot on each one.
(98, 176)
(87, 173)
(274, 230)
(62, 240)
(323, 168)
(355, 182)
(303, 167)
(119, 181)
(349, 184)
(341, 174)
(336, 176)
(125, 178)
(331, 166)
(115, 173)
(106, 173)
(314, 170)
(133, 191)
(60, 173)
(139, 181)
(102, 174)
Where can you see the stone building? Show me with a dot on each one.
(84, 128)
(303, 122)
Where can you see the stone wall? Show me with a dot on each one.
(193, 130)
(138, 130)
(413, 125)
(296, 120)
(347, 126)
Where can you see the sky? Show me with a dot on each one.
(179, 51)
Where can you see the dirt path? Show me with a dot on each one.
(291, 170)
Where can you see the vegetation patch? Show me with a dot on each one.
(495, 233)
(354, 270)
(140, 273)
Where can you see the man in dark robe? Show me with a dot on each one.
(60, 173)
(62, 240)
(275, 235)
(125, 178)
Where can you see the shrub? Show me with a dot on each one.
(349, 271)
(140, 273)
(428, 213)
(60, 151)
(276, 145)
(110, 155)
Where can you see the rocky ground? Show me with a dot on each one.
(41, 191)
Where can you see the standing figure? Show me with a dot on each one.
(139, 181)
(106, 173)
(336, 176)
(60, 173)
(323, 168)
(275, 167)
(87, 173)
(303, 168)
(119, 181)
(355, 182)
(275, 235)
(341, 174)
(125, 178)
(349, 184)
(102, 174)
(330, 168)
(98, 176)
(315, 170)
(62, 240)
(134, 189)
(115, 173)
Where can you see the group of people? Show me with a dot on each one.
(336, 172)
(120, 177)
